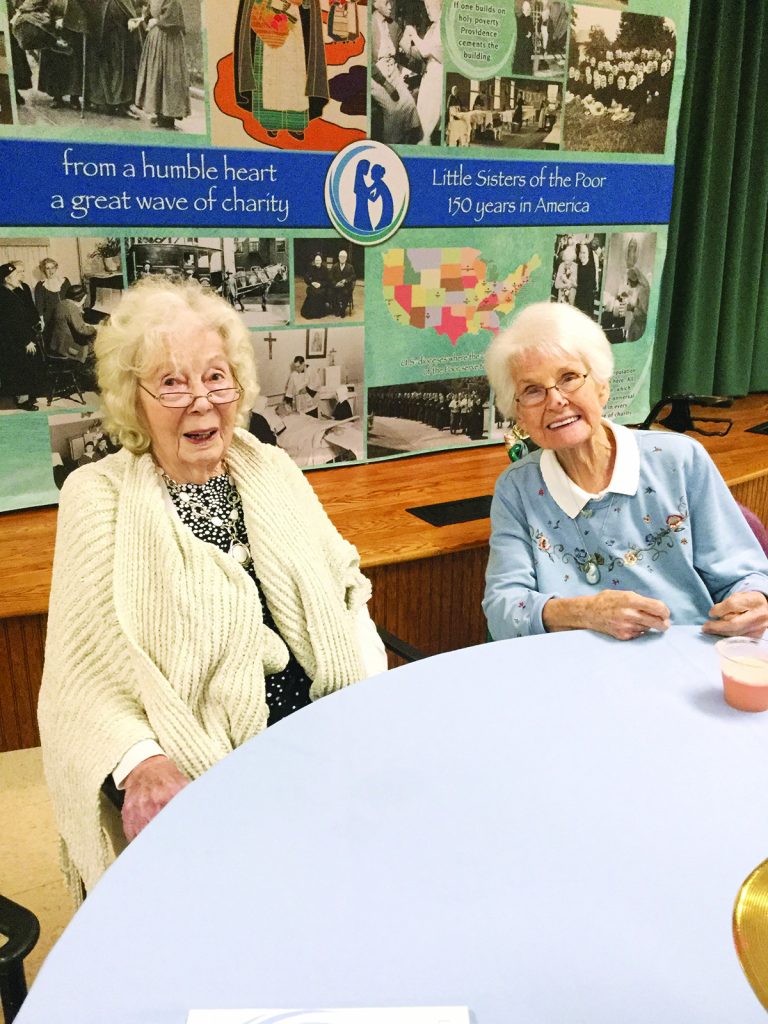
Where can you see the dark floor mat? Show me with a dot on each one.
(447, 513)
(760, 428)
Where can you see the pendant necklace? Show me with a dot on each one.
(226, 518)
(590, 567)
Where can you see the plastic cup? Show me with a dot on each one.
(744, 664)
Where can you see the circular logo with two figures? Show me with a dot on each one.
(367, 192)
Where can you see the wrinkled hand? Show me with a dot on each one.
(626, 615)
(31, 348)
(742, 614)
(148, 788)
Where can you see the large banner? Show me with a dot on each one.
(376, 188)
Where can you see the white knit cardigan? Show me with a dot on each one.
(152, 633)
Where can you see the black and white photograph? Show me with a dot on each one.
(542, 33)
(77, 440)
(577, 271)
(628, 281)
(507, 113)
(112, 65)
(406, 72)
(427, 415)
(177, 259)
(53, 293)
(6, 106)
(312, 393)
(620, 72)
(329, 281)
(256, 279)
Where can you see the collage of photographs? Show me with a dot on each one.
(581, 78)
(314, 76)
(303, 301)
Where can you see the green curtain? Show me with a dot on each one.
(712, 335)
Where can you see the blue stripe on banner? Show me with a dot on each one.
(89, 185)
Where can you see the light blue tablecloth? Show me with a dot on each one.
(548, 830)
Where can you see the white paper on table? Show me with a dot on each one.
(361, 1015)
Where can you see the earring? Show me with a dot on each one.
(514, 441)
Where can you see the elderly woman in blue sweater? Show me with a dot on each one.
(606, 528)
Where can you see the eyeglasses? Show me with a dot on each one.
(184, 399)
(536, 394)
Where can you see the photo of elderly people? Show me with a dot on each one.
(77, 440)
(53, 292)
(406, 72)
(577, 271)
(329, 282)
(427, 415)
(628, 280)
(542, 32)
(620, 73)
(312, 393)
(115, 65)
(502, 112)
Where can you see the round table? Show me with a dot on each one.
(549, 829)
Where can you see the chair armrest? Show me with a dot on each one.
(399, 647)
(22, 929)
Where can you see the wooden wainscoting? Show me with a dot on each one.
(22, 640)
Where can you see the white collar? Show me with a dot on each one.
(625, 478)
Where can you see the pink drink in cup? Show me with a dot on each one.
(744, 664)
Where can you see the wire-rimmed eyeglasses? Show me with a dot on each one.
(536, 394)
(184, 399)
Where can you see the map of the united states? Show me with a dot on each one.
(450, 291)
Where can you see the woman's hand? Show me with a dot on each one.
(31, 348)
(622, 614)
(148, 788)
(742, 614)
(625, 615)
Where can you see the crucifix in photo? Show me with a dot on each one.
(270, 340)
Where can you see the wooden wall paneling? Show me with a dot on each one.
(22, 642)
(432, 603)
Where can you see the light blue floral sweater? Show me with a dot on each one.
(676, 535)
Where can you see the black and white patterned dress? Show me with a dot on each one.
(288, 690)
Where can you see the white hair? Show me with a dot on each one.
(552, 328)
(132, 342)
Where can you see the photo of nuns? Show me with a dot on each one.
(406, 72)
(506, 113)
(311, 399)
(628, 280)
(53, 293)
(577, 271)
(542, 32)
(112, 65)
(427, 415)
(329, 281)
(620, 74)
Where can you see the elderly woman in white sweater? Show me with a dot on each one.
(200, 592)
